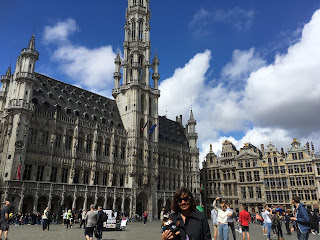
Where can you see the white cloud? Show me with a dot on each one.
(276, 102)
(184, 86)
(242, 64)
(286, 93)
(90, 68)
(60, 31)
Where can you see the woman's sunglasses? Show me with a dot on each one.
(186, 199)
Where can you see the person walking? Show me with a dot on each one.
(215, 222)
(69, 217)
(91, 222)
(244, 219)
(83, 218)
(100, 222)
(193, 224)
(231, 221)
(266, 215)
(278, 223)
(45, 219)
(161, 214)
(223, 215)
(4, 220)
(302, 219)
(145, 217)
(287, 222)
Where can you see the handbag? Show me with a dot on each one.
(96, 232)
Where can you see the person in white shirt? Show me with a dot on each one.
(266, 215)
(223, 215)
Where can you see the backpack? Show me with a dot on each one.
(313, 220)
(103, 217)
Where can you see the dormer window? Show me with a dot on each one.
(34, 100)
(86, 115)
(94, 117)
(60, 97)
(76, 112)
(45, 103)
(103, 120)
(68, 110)
(57, 106)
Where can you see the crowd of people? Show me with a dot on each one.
(184, 220)
(300, 220)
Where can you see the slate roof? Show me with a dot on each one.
(171, 132)
(69, 99)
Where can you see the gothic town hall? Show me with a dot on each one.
(64, 147)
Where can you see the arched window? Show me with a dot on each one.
(142, 103)
(141, 127)
(150, 107)
(149, 134)
(140, 30)
(134, 2)
(133, 31)
(141, 67)
(131, 62)
(141, 3)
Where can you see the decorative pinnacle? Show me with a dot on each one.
(31, 44)
(8, 73)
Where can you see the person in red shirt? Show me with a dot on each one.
(145, 217)
(244, 219)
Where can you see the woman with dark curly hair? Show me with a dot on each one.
(193, 225)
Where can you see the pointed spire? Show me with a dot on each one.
(210, 147)
(118, 58)
(155, 54)
(191, 115)
(32, 45)
(8, 73)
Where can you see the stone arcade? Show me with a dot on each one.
(65, 147)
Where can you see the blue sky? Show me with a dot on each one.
(218, 53)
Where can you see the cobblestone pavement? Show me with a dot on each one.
(133, 231)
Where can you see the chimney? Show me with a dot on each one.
(262, 149)
(282, 152)
(179, 119)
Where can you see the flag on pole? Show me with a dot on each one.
(144, 126)
(19, 169)
(201, 187)
(153, 127)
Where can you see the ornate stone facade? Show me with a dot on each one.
(65, 147)
(256, 177)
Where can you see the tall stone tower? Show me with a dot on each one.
(192, 138)
(16, 110)
(137, 98)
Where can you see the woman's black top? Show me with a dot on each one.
(195, 226)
